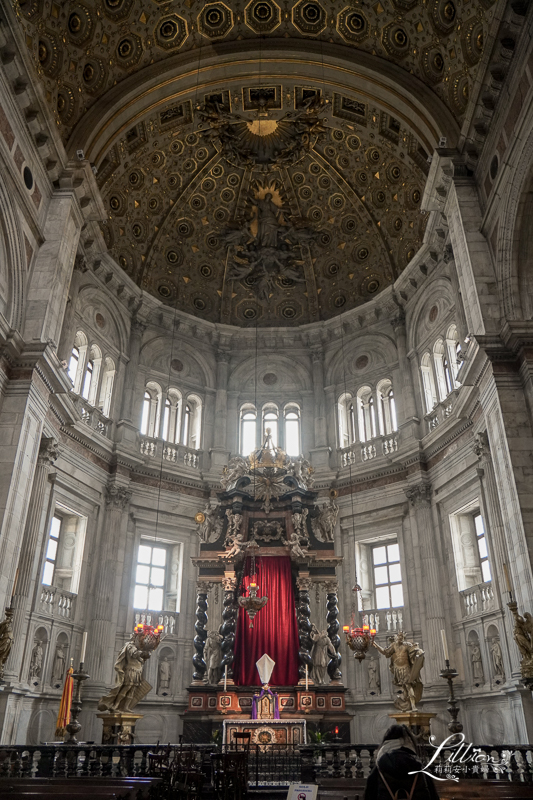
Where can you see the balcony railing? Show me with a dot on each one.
(441, 411)
(173, 453)
(478, 599)
(169, 620)
(380, 446)
(56, 602)
(91, 416)
(387, 619)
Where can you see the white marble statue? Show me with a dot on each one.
(497, 658)
(477, 665)
(321, 653)
(213, 657)
(374, 681)
(36, 663)
(210, 529)
(324, 524)
(58, 669)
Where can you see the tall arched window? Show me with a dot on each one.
(166, 420)
(106, 389)
(77, 361)
(87, 380)
(172, 423)
(270, 420)
(386, 407)
(346, 420)
(186, 424)
(453, 348)
(428, 382)
(248, 429)
(292, 429)
(366, 414)
(438, 360)
(151, 411)
(192, 426)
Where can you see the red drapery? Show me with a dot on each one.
(275, 630)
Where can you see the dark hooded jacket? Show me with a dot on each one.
(395, 767)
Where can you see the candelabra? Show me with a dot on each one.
(449, 674)
(74, 726)
(358, 638)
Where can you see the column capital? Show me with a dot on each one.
(229, 584)
(80, 263)
(48, 452)
(117, 496)
(419, 495)
(397, 320)
(137, 327)
(202, 587)
(303, 584)
(332, 587)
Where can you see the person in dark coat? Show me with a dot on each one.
(396, 758)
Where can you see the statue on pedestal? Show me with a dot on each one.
(58, 670)
(406, 661)
(164, 675)
(131, 687)
(6, 640)
(497, 659)
(36, 663)
(322, 648)
(477, 665)
(374, 682)
(213, 657)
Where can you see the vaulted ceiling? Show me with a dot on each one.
(261, 162)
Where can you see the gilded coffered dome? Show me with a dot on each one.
(259, 163)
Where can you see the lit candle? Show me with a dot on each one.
(83, 646)
(372, 631)
(306, 678)
(507, 578)
(336, 731)
(345, 628)
(445, 645)
(366, 627)
(225, 677)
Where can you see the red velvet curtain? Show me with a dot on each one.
(275, 630)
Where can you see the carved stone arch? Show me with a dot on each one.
(422, 320)
(515, 239)
(12, 242)
(360, 359)
(289, 375)
(194, 367)
(91, 297)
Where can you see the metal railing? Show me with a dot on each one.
(56, 602)
(477, 599)
(172, 453)
(268, 765)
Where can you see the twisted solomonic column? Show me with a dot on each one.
(332, 587)
(303, 614)
(229, 625)
(200, 627)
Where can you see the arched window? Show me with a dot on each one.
(106, 390)
(192, 424)
(428, 382)
(438, 360)
(166, 420)
(346, 420)
(77, 361)
(386, 408)
(453, 348)
(366, 414)
(172, 425)
(292, 429)
(151, 410)
(248, 429)
(87, 380)
(270, 420)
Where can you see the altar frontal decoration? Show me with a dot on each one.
(358, 638)
(131, 687)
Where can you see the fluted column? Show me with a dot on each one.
(136, 334)
(229, 625)
(221, 400)
(48, 453)
(430, 580)
(200, 628)
(303, 613)
(68, 331)
(405, 390)
(107, 584)
(332, 587)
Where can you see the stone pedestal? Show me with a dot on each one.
(119, 728)
(417, 721)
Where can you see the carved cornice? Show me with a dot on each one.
(117, 496)
(48, 452)
(419, 495)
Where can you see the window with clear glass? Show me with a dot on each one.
(387, 576)
(248, 423)
(145, 418)
(292, 431)
(166, 420)
(73, 363)
(270, 420)
(150, 578)
(482, 548)
(186, 425)
(51, 551)
(87, 380)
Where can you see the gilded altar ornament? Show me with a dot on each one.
(406, 661)
(131, 687)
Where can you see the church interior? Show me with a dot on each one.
(266, 381)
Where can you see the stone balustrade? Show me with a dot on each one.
(171, 453)
(91, 416)
(169, 620)
(388, 619)
(441, 412)
(477, 599)
(56, 602)
(380, 446)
